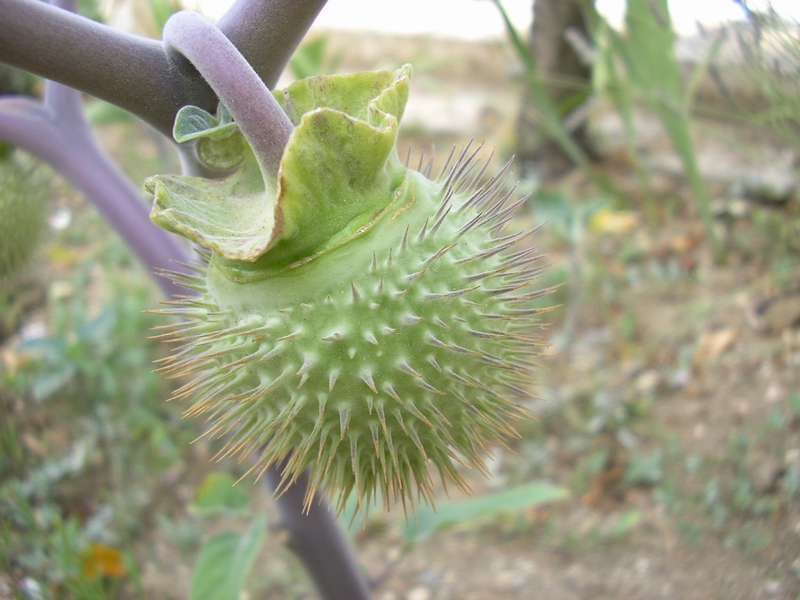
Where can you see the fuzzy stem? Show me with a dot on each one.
(318, 541)
(129, 71)
(267, 32)
(58, 134)
(255, 110)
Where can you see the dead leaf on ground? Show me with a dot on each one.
(714, 343)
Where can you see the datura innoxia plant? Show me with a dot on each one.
(355, 318)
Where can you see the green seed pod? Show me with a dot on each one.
(24, 191)
(360, 321)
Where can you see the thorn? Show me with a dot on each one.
(485, 254)
(404, 241)
(444, 204)
(421, 234)
(465, 228)
(354, 290)
(344, 419)
(453, 294)
(390, 390)
(291, 336)
(332, 377)
(433, 362)
(489, 189)
(307, 364)
(415, 438)
(428, 168)
(414, 276)
(410, 319)
(447, 162)
(439, 253)
(434, 341)
(374, 265)
(474, 180)
(486, 274)
(419, 414)
(370, 337)
(430, 388)
(405, 367)
(366, 377)
(507, 214)
(441, 219)
(303, 372)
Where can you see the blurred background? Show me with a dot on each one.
(660, 144)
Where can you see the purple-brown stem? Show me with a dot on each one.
(255, 110)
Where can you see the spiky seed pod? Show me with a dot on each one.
(369, 350)
(24, 191)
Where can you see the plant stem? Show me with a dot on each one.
(255, 110)
(133, 72)
(318, 541)
(58, 133)
(129, 71)
(267, 32)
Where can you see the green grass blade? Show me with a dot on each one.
(549, 112)
(648, 52)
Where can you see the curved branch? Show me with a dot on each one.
(129, 71)
(64, 140)
(133, 72)
(267, 32)
(318, 541)
(255, 110)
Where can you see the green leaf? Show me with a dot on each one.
(218, 494)
(521, 497)
(192, 123)
(225, 561)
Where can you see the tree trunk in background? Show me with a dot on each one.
(564, 75)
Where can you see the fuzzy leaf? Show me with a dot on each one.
(193, 122)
